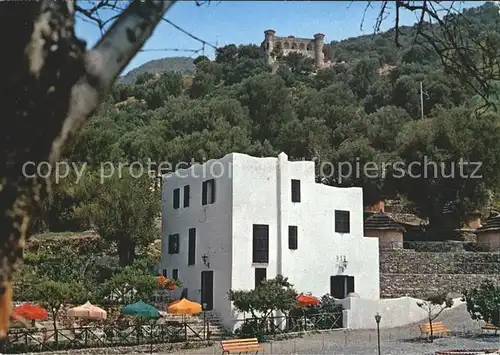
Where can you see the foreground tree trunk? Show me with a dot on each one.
(126, 252)
(50, 85)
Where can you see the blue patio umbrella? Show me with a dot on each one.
(141, 309)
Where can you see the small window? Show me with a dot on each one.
(192, 246)
(208, 192)
(164, 273)
(260, 275)
(292, 238)
(295, 190)
(186, 196)
(175, 274)
(260, 252)
(342, 222)
(177, 198)
(173, 244)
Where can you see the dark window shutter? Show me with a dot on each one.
(164, 273)
(186, 196)
(260, 275)
(177, 242)
(342, 222)
(337, 287)
(177, 197)
(350, 284)
(175, 274)
(173, 244)
(212, 198)
(192, 246)
(260, 252)
(295, 190)
(204, 193)
(292, 237)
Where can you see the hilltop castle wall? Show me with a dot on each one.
(309, 47)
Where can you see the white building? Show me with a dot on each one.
(231, 222)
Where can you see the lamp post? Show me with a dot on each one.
(378, 317)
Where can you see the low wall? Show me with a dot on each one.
(420, 274)
(395, 312)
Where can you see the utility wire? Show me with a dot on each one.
(188, 33)
(169, 50)
(92, 15)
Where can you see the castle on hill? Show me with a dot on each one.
(309, 47)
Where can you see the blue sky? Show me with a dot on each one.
(243, 22)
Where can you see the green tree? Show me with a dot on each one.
(201, 58)
(54, 294)
(57, 90)
(434, 306)
(270, 296)
(483, 302)
(450, 146)
(299, 64)
(123, 207)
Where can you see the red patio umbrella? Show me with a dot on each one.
(31, 312)
(307, 300)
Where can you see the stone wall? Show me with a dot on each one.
(419, 274)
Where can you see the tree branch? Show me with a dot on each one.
(105, 62)
(473, 59)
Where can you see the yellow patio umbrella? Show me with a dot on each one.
(87, 311)
(184, 306)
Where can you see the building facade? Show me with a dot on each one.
(231, 222)
(309, 47)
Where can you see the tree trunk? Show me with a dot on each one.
(51, 86)
(54, 322)
(126, 251)
(432, 333)
(41, 64)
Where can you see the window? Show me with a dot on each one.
(173, 244)
(186, 196)
(260, 243)
(260, 275)
(177, 198)
(208, 192)
(295, 190)
(342, 223)
(164, 273)
(341, 286)
(175, 274)
(292, 237)
(192, 246)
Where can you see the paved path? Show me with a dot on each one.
(398, 341)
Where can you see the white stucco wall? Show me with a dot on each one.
(258, 191)
(396, 312)
(213, 229)
(310, 266)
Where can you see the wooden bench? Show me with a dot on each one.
(489, 326)
(238, 346)
(438, 328)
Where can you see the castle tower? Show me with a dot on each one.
(319, 43)
(268, 44)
